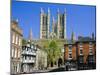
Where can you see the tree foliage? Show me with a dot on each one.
(24, 42)
(53, 51)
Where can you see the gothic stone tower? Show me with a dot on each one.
(44, 24)
(61, 25)
(30, 35)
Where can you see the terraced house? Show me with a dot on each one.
(16, 47)
(81, 54)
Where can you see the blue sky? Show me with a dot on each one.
(80, 18)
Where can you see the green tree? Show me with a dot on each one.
(24, 42)
(53, 51)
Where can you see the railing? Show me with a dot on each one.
(28, 61)
(29, 52)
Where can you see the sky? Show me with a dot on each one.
(81, 19)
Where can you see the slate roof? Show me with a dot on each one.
(70, 42)
(85, 39)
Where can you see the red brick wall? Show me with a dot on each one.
(73, 52)
(66, 53)
(85, 50)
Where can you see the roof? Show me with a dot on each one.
(70, 42)
(15, 22)
(85, 39)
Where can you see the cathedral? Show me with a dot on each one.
(58, 26)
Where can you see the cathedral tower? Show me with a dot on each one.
(58, 24)
(61, 25)
(65, 24)
(44, 24)
(30, 35)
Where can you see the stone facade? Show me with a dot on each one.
(58, 27)
(41, 59)
(16, 47)
(44, 24)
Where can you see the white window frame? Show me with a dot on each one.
(16, 39)
(18, 67)
(12, 52)
(15, 53)
(18, 53)
(90, 48)
(19, 41)
(13, 37)
(80, 51)
(90, 51)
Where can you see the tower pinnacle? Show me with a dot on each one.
(42, 11)
(53, 24)
(30, 35)
(72, 37)
(58, 10)
(65, 10)
(48, 10)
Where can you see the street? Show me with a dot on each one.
(58, 69)
(53, 69)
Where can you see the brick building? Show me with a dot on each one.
(86, 47)
(70, 51)
(70, 55)
(81, 52)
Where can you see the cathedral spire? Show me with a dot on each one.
(17, 20)
(65, 10)
(41, 21)
(93, 38)
(31, 35)
(58, 10)
(48, 10)
(65, 23)
(48, 23)
(42, 11)
(72, 37)
(58, 23)
(53, 24)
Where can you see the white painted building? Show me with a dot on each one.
(41, 59)
(28, 57)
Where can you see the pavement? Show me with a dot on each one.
(59, 69)
(51, 69)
